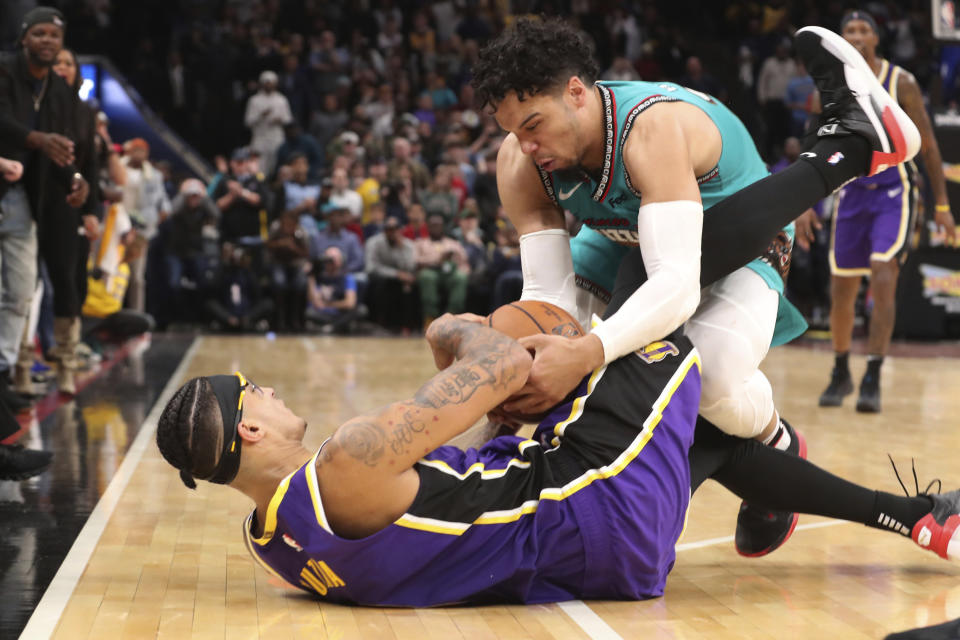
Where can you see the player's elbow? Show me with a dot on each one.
(686, 287)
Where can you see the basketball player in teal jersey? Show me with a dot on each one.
(872, 222)
(638, 163)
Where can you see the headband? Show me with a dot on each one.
(856, 14)
(229, 393)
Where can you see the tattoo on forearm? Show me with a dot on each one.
(458, 383)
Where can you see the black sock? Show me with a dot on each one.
(842, 362)
(839, 160)
(873, 365)
(898, 513)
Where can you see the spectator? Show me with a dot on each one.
(193, 223)
(235, 301)
(621, 71)
(442, 271)
(470, 236)
(325, 123)
(267, 111)
(403, 157)
(348, 146)
(391, 269)
(373, 185)
(375, 225)
(698, 80)
(336, 235)
(145, 200)
(327, 61)
(439, 198)
(425, 112)
(240, 200)
(799, 92)
(104, 319)
(300, 194)
(289, 249)
(389, 39)
(296, 141)
(775, 75)
(417, 223)
(505, 270)
(332, 294)
(344, 197)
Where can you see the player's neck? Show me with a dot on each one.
(595, 134)
(260, 480)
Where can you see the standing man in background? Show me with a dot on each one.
(268, 111)
(872, 222)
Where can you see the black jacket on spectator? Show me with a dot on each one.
(43, 180)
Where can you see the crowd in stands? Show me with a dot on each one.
(355, 177)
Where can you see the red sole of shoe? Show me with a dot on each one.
(793, 525)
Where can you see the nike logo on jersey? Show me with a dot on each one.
(566, 194)
(808, 154)
(893, 193)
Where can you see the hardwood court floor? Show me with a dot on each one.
(171, 563)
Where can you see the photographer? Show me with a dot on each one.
(332, 294)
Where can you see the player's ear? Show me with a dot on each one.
(576, 89)
(249, 431)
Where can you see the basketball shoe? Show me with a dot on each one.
(938, 530)
(853, 100)
(841, 385)
(761, 531)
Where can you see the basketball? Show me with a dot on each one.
(527, 317)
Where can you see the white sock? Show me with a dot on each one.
(780, 438)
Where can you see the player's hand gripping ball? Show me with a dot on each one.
(528, 317)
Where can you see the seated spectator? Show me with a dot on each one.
(391, 270)
(297, 141)
(240, 199)
(288, 247)
(470, 236)
(193, 220)
(336, 235)
(344, 197)
(416, 226)
(235, 301)
(442, 272)
(332, 294)
(439, 198)
(399, 195)
(505, 270)
(375, 224)
(373, 185)
(403, 157)
(103, 317)
(300, 194)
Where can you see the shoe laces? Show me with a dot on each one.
(916, 483)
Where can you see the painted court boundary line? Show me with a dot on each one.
(49, 610)
(595, 626)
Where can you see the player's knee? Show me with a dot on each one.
(742, 410)
(883, 274)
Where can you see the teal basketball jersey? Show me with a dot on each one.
(609, 204)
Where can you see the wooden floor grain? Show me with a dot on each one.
(171, 562)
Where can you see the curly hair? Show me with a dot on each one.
(531, 57)
(190, 431)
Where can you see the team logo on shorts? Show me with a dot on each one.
(657, 351)
(291, 542)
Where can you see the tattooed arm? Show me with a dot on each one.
(366, 471)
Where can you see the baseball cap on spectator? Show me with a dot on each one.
(41, 15)
(136, 143)
(192, 187)
(327, 182)
(391, 223)
(409, 119)
(240, 154)
(269, 76)
(349, 137)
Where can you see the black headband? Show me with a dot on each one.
(41, 15)
(856, 14)
(228, 391)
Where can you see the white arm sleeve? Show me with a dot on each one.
(548, 268)
(669, 237)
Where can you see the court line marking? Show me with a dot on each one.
(597, 628)
(49, 610)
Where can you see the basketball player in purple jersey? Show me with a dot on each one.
(872, 223)
(591, 507)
